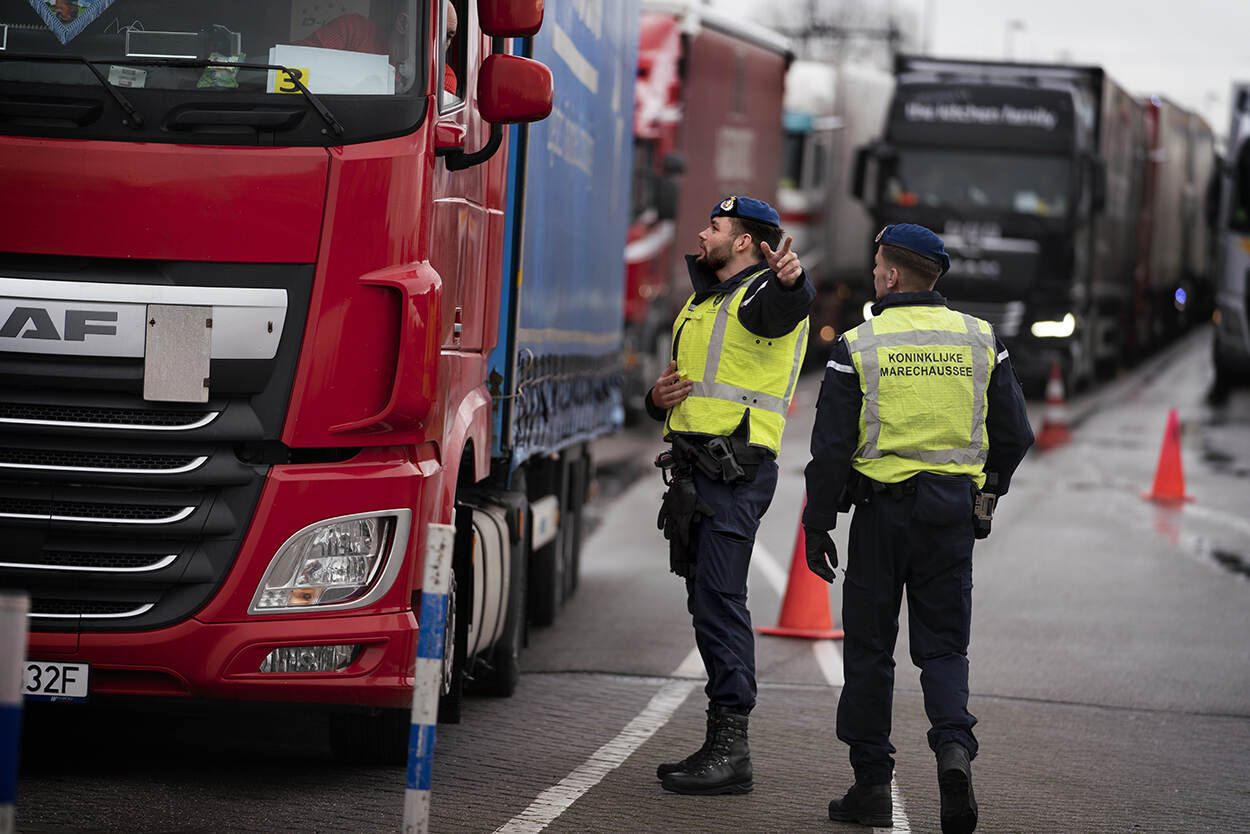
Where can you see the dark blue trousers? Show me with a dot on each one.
(920, 543)
(717, 596)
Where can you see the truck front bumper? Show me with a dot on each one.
(195, 659)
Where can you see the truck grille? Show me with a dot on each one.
(57, 608)
(123, 528)
(89, 461)
(61, 560)
(122, 514)
(1005, 317)
(81, 511)
(116, 418)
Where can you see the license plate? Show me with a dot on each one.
(52, 680)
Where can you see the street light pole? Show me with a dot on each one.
(1010, 27)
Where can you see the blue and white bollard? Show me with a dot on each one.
(427, 678)
(13, 611)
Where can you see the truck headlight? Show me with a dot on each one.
(1054, 329)
(344, 562)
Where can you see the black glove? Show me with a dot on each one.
(822, 553)
(681, 509)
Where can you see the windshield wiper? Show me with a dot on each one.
(136, 120)
(189, 63)
(197, 63)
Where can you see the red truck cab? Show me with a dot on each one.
(246, 311)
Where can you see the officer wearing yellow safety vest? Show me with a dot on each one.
(920, 420)
(737, 347)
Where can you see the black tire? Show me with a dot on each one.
(377, 736)
(499, 677)
(455, 638)
(505, 671)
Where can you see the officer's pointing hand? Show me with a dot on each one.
(822, 553)
(784, 263)
(670, 388)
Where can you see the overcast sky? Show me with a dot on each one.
(1190, 51)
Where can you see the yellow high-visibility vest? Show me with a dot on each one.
(733, 370)
(924, 372)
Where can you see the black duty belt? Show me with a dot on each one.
(728, 459)
(895, 491)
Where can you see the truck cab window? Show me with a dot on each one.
(454, 54)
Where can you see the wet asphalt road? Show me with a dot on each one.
(1110, 672)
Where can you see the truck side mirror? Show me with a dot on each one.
(512, 90)
(668, 189)
(509, 90)
(1097, 183)
(510, 18)
(861, 166)
(666, 197)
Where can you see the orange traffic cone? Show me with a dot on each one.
(1054, 418)
(805, 607)
(1169, 485)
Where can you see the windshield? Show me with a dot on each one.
(978, 182)
(353, 55)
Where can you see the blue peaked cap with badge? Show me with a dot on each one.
(747, 208)
(918, 239)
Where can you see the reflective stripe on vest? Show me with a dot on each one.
(864, 343)
(709, 389)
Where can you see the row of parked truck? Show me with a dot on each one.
(277, 320)
(1080, 218)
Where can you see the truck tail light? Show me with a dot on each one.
(342, 562)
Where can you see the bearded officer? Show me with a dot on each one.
(737, 347)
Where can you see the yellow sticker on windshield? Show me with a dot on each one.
(283, 83)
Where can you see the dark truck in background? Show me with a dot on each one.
(1030, 173)
(1231, 346)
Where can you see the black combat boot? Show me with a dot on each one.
(864, 804)
(959, 806)
(693, 759)
(725, 767)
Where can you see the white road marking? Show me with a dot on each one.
(830, 663)
(1238, 524)
(826, 651)
(553, 802)
(901, 823)
(691, 667)
(766, 564)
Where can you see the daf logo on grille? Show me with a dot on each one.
(37, 323)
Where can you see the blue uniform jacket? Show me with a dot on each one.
(836, 433)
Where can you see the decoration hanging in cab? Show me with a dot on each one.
(67, 18)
